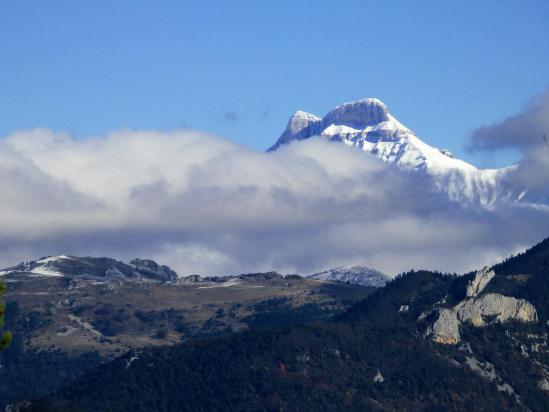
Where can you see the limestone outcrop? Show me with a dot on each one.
(493, 307)
(478, 310)
(445, 329)
(479, 282)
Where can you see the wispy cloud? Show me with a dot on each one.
(527, 132)
(266, 112)
(206, 205)
(231, 116)
(523, 130)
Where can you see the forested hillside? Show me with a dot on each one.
(376, 356)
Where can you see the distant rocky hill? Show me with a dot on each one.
(354, 274)
(92, 268)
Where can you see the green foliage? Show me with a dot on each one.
(272, 314)
(526, 276)
(534, 261)
(506, 355)
(30, 374)
(34, 321)
(6, 337)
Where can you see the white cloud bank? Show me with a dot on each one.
(206, 205)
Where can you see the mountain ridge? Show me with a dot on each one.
(107, 269)
(92, 268)
(368, 125)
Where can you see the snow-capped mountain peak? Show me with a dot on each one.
(368, 125)
(299, 127)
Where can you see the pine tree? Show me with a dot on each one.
(5, 338)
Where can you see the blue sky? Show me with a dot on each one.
(238, 69)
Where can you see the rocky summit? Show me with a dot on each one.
(354, 274)
(367, 124)
(101, 269)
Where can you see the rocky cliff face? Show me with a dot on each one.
(479, 282)
(493, 307)
(152, 270)
(445, 329)
(354, 274)
(478, 310)
(300, 126)
(360, 113)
